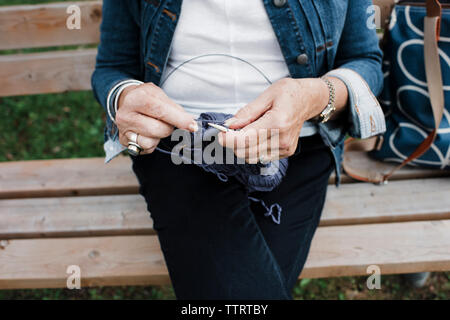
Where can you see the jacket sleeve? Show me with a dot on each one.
(358, 64)
(119, 53)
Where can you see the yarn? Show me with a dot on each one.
(254, 177)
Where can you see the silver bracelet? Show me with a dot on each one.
(121, 89)
(108, 99)
(111, 92)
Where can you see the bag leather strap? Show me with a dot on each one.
(436, 93)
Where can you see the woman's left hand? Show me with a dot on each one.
(270, 125)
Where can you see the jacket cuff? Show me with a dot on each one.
(112, 149)
(365, 114)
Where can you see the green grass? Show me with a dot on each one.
(71, 125)
(51, 126)
(346, 288)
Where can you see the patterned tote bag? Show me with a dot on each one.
(416, 96)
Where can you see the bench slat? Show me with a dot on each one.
(67, 177)
(408, 200)
(137, 260)
(404, 200)
(48, 72)
(74, 217)
(41, 263)
(403, 247)
(44, 25)
(90, 176)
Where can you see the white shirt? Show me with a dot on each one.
(217, 82)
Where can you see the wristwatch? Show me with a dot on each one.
(326, 114)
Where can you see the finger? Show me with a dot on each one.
(151, 149)
(146, 126)
(123, 139)
(262, 136)
(151, 100)
(290, 149)
(247, 138)
(143, 141)
(268, 121)
(148, 151)
(249, 146)
(253, 154)
(262, 158)
(267, 149)
(245, 145)
(147, 143)
(171, 113)
(251, 111)
(239, 140)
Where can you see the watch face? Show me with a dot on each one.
(326, 114)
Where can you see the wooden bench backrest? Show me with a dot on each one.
(44, 25)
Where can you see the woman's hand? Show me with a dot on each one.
(147, 111)
(273, 121)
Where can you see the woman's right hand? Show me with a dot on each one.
(147, 111)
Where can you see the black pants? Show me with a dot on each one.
(218, 245)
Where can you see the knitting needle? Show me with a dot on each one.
(219, 127)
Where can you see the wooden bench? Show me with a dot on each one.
(58, 213)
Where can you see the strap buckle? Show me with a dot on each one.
(379, 142)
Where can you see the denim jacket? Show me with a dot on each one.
(316, 37)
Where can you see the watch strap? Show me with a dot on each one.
(326, 114)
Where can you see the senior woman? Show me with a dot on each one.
(307, 70)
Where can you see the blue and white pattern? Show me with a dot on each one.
(405, 96)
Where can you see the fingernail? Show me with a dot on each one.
(193, 126)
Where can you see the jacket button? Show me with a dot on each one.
(302, 59)
(279, 3)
